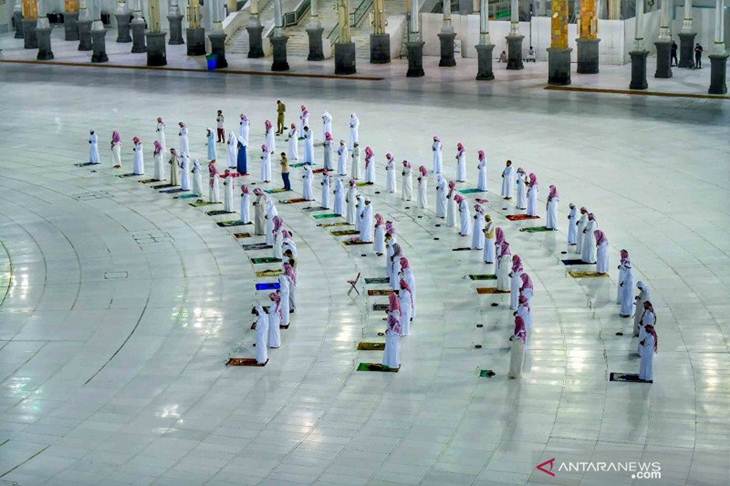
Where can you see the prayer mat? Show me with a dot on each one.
(482, 276)
(325, 216)
(173, 191)
(575, 274)
(128, 174)
(377, 280)
(258, 246)
(576, 261)
(362, 184)
(629, 377)
(275, 191)
(470, 191)
(321, 170)
(330, 225)
(233, 222)
(461, 248)
(162, 186)
(375, 367)
(299, 164)
(345, 233)
(268, 286)
(269, 273)
(491, 290)
(356, 242)
(380, 307)
(311, 209)
(202, 202)
(239, 236)
(265, 260)
(520, 217)
(186, 196)
(480, 200)
(293, 201)
(535, 229)
(365, 346)
(218, 212)
(86, 164)
(147, 181)
(486, 373)
(244, 362)
(383, 292)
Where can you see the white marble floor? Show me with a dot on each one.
(125, 303)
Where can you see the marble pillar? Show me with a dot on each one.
(663, 44)
(98, 42)
(84, 34)
(559, 52)
(30, 40)
(485, 47)
(138, 39)
(446, 37)
(314, 34)
(379, 39)
(43, 37)
(156, 49)
(70, 26)
(174, 20)
(687, 38)
(218, 46)
(718, 58)
(514, 39)
(415, 58)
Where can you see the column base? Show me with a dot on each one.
(84, 35)
(98, 41)
(30, 39)
(415, 59)
(663, 59)
(379, 48)
(218, 48)
(278, 44)
(156, 50)
(686, 49)
(123, 35)
(255, 43)
(718, 66)
(70, 27)
(514, 52)
(447, 49)
(18, 19)
(196, 41)
(559, 66)
(345, 58)
(587, 55)
(44, 44)
(484, 62)
(175, 22)
(638, 70)
(316, 52)
(138, 44)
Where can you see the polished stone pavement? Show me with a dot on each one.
(125, 303)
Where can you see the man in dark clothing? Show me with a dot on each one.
(674, 61)
(698, 56)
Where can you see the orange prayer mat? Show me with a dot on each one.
(366, 346)
(244, 362)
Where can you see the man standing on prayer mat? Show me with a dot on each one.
(280, 114)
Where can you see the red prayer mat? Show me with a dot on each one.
(520, 217)
(244, 362)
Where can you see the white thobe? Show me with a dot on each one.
(184, 141)
(351, 200)
(161, 137)
(355, 162)
(94, 157)
(138, 159)
(390, 184)
(551, 220)
(450, 210)
(307, 184)
(258, 215)
(437, 157)
(404, 297)
(379, 241)
(308, 147)
(461, 166)
(517, 357)
(232, 151)
(410, 279)
(482, 178)
(284, 290)
(245, 207)
(646, 351)
(524, 312)
(477, 234)
(327, 154)
(532, 200)
(326, 125)
(358, 210)
(395, 272)
(572, 226)
(292, 295)
(602, 258)
(339, 198)
(489, 250)
(270, 140)
(214, 190)
(582, 223)
(515, 284)
(520, 192)
(507, 181)
(293, 148)
(366, 223)
(625, 291)
(407, 189)
(370, 170)
(391, 355)
(325, 191)
(228, 184)
(588, 251)
(262, 338)
(465, 218)
(503, 271)
(159, 166)
(185, 173)
(212, 150)
(117, 154)
(266, 167)
(197, 179)
(342, 160)
(274, 322)
(441, 198)
(422, 192)
(643, 296)
(354, 131)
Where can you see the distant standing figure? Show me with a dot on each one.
(280, 114)
(262, 335)
(674, 61)
(698, 56)
(517, 345)
(94, 147)
(285, 171)
(220, 127)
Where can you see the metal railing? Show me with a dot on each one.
(293, 17)
(334, 35)
(360, 11)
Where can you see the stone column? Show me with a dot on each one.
(84, 25)
(588, 38)
(344, 47)
(446, 37)
(122, 16)
(379, 39)
(718, 58)
(98, 41)
(559, 52)
(174, 19)
(314, 33)
(687, 38)
(218, 41)
(156, 49)
(278, 40)
(638, 53)
(18, 19)
(30, 21)
(195, 33)
(514, 39)
(70, 17)
(414, 46)
(664, 44)
(138, 44)
(485, 46)
(254, 29)
(43, 35)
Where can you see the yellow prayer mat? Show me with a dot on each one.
(491, 290)
(576, 274)
(269, 273)
(366, 346)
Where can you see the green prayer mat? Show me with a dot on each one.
(576, 274)
(363, 184)
(486, 373)
(491, 290)
(375, 367)
(218, 212)
(470, 191)
(299, 164)
(535, 229)
(275, 191)
(202, 202)
(269, 273)
(265, 260)
(345, 233)
(366, 346)
(482, 276)
(330, 225)
(257, 246)
(377, 280)
(325, 216)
